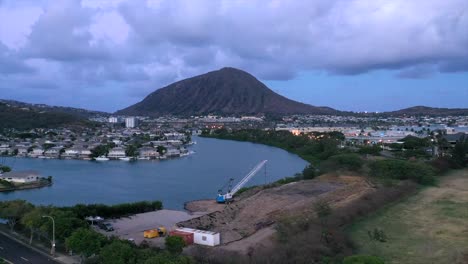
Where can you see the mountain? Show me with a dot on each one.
(429, 111)
(12, 116)
(225, 91)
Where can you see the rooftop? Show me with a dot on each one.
(20, 174)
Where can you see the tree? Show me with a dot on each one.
(33, 220)
(175, 244)
(460, 151)
(5, 169)
(117, 252)
(131, 151)
(85, 242)
(161, 150)
(65, 223)
(12, 211)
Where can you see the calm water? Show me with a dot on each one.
(174, 181)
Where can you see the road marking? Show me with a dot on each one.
(6, 260)
(25, 259)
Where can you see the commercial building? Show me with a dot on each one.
(131, 122)
(113, 119)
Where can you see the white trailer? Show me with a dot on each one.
(202, 237)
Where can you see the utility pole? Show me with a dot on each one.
(52, 250)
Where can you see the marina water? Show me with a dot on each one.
(172, 181)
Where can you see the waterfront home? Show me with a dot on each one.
(36, 152)
(148, 152)
(71, 153)
(4, 147)
(174, 136)
(53, 152)
(116, 153)
(22, 151)
(84, 153)
(174, 142)
(20, 176)
(172, 152)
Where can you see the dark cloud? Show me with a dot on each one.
(136, 46)
(418, 72)
(11, 64)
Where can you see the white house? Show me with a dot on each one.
(148, 152)
(53, 152)
(36, 152)
(20, 176)
(202, 237)
(71, 153)
(84, 153)
(172, 152)
(116, 153)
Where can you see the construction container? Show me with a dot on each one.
(157, 232)
(202, 237)
(186, 236)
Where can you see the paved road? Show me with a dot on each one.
(18, 253)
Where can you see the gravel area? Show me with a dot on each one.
(133, 227)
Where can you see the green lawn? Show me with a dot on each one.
(430, 227)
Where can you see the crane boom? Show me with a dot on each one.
(248, 177)
(228, 196)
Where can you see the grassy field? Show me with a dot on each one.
(429, 227)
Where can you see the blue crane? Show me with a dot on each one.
(227, 197)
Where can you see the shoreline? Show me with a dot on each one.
(27, 187)
(94, 160)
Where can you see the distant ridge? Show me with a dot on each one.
(79, 112)
(428, 111)
(225, 91)
(23, 118)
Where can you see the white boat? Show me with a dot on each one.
(102, 158)
(143, 158)
(125, 159)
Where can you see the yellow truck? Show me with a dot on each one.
(157, 232)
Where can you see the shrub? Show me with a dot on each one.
(308, 172)
(403, 170)
(362, 259)
(5, 169)
(350, 162)
(118, 210)
(372, 150)
(175, 244)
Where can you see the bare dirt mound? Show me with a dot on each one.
(259, 208)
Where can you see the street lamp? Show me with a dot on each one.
(52, 250)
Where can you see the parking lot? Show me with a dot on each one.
(133, 227)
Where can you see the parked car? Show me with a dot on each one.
(106, 227)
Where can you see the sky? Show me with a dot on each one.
(354, 55)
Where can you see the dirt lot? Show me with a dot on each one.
(258, 209)
(134, 226)
(429, 227)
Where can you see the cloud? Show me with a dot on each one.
(417, 72)
(10, 64)
(134, 46)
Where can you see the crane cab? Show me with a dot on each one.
(224, 198)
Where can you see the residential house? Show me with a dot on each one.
(20, 176)
(116, 153)
(172, 152)
(148, 153)
(53, 152)
(36, 152)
